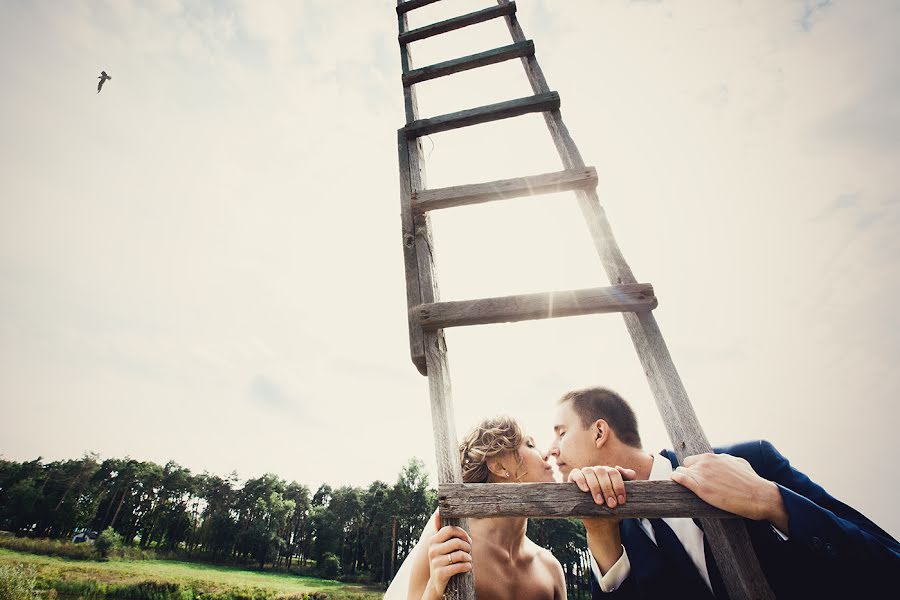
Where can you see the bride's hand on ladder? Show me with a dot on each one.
(449, 554)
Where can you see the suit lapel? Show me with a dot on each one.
(671, 456)
(650, 564)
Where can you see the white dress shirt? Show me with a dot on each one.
(687, 532)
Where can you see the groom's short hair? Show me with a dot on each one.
(595, 403)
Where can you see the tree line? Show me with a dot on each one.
(363, 532)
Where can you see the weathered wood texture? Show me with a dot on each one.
(412, 180)
(409, 92)
(421, 285)
(446, 445)
(473, 61)
(405, 7)
(429, 351)
(548, 305)
(478, 16)
(410, 261)
(484, 114)
(730, 543)
(645, 499)
(504, 189)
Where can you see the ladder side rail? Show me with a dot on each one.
(462, 586)
(412, 159)
(410, 262)
(433, 346)
(408, 187)
(688, 437)
(565, 145)
(409, 92)
(730, 542)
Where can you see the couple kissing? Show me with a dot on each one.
(808, 543)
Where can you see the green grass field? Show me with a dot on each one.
(195, 580)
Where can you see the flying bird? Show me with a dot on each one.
(103, 77)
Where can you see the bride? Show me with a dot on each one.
(509, 565)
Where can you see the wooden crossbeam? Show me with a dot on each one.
(473, 61)
(644, 499)
(483, 114)
(456, 23)
(504, 189)
(550, 305)
(405, 7)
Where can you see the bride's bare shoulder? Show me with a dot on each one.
(549, 569)
(542, 554)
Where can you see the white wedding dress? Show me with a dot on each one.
(399, 588)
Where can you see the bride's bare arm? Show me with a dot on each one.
(418, 579)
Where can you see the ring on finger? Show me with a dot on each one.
(450, 558)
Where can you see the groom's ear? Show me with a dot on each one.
(600, 432)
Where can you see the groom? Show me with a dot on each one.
(809, 544)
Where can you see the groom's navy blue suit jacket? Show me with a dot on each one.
(832, 550)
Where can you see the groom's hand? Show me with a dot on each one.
(606, 484)
(730, 483)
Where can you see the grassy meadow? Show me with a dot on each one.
(171, 580)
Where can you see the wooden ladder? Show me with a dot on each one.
(428, 316)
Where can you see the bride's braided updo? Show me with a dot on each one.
(490, 438)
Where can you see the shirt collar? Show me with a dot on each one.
(661, 469)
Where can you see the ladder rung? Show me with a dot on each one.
(479, 16)
(409, 5)
(632, 297)
(504, 189)
(644, 499)
(473, 61)
(483, 114)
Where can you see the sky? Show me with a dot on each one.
(203, 262)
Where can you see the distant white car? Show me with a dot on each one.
(84, 535)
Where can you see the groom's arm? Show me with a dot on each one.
(832, 529)
(772, 490)
(840, 538)
(618, 582)
(609, 565)
(605, 543)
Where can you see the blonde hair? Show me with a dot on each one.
(490, 438)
